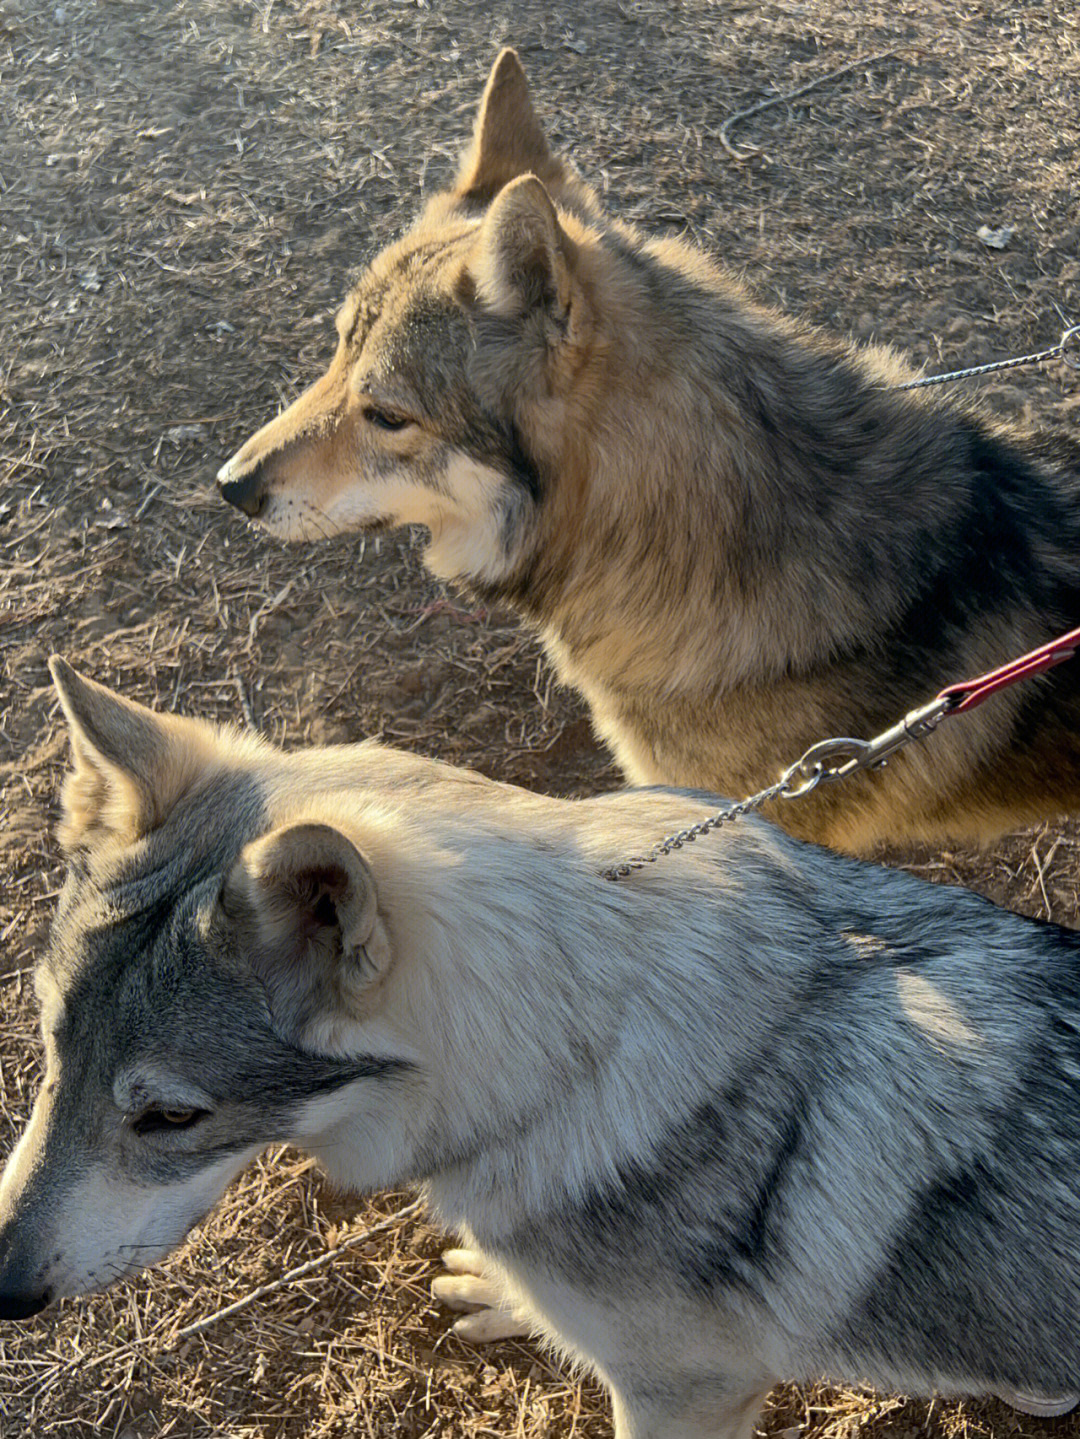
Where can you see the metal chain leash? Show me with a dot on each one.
(1068, 347)
(687, 836)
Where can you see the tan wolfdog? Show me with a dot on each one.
(734, 538)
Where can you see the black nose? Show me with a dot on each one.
(248, 493)
(23, 1306)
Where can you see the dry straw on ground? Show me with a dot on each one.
(184, 189)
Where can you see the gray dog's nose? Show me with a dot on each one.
(247, 492)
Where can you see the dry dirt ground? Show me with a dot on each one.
(185, 186)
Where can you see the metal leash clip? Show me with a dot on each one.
(1070, 347)
(831, 759)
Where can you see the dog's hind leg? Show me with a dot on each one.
(470, 1287)
(669, 1413)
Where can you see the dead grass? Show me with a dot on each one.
(184, 187)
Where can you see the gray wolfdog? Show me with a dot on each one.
(734, 538)
(761, 1110)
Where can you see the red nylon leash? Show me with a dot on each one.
(969, 693)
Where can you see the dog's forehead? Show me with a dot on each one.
(127, 918)
(113, 961)
(150, 987)
(416, 344)
(406, 291)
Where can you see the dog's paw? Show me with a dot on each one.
(469, 1288)
(466, 1292)
(487, 1325)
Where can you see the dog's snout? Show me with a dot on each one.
(23, 1291)
(247, 491)
(23, 1306)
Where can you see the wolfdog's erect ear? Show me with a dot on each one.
(522, 257)
(302, 905)
(131, 765)
(507, 141)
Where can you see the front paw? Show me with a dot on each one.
(469, 1287)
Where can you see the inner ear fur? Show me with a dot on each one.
(303, 905)
(522, 257)
(130, 765)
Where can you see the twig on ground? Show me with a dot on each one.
(301, 1271)
(732, 120)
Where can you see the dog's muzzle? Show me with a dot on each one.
(246, 492)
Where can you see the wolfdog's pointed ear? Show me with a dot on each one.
(507, 140)
(522, 257)
(302, 904)
(131, 765)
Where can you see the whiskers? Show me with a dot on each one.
(293, 519)
(315, 523)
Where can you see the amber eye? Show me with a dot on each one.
(385, 419)
(153, 1121)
